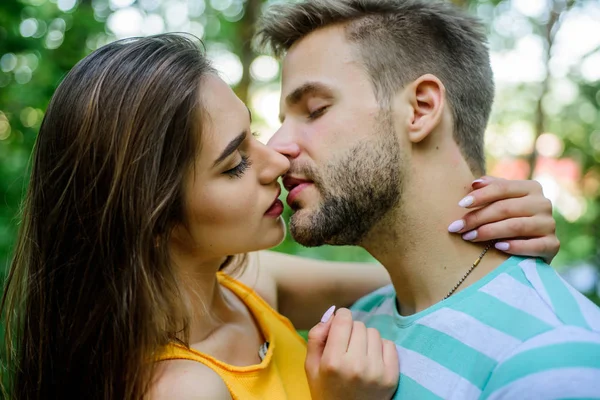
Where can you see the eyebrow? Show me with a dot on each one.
(308, 88)
(233, 145)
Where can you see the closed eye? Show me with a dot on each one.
(238, 170)
(317, 113)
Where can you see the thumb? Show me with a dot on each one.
(317, 338)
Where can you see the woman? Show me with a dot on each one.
(146, 181)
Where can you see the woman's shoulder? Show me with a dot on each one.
(185, 379)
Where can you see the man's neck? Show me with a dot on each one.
(425, 261)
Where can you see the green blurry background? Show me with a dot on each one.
(545, 125)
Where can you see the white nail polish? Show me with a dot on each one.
(456, 226)
(327, 314)
(503, 246)
(467, 201)
(470, 235)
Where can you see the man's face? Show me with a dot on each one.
(346, 162)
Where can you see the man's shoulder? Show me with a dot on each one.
(379, 302)
(563, 362)
(538, 290)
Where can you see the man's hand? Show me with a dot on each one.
(346, 360)
(514, 212)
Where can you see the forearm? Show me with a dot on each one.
(306, 287)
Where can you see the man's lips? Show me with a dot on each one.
(294, 187)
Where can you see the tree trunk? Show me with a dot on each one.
(550, 30)
(246, 31)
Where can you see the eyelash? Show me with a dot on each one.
(317, 113)
(238, 170)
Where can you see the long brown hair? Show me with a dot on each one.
(91, 295)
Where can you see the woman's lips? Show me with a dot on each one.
(276, 208)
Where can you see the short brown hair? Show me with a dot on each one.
(398, 41)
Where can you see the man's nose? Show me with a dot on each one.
(284, 143)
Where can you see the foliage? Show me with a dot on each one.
(40, 40)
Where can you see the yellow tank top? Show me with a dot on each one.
(280, 375)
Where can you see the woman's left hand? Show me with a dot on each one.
(513, 212)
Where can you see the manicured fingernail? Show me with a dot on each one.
(456, 226)
(478, 181)
(470, 235)
(327, 314)
(502, 246)
(467, 201)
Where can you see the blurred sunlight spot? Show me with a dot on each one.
(549, 145)
(8, 62)
(32, 61)
(570, 206)
(197, 29)
(41, 30)
(116, 4)
(4, 127)
(520, 138)
(578, 36)
(149, 5)
(176, 14)
(153, 25)
(28, 27)
(234, 12)
(23, 74)
(196, 8)
(588, 113)
(266, 104)
(522, 64)
(264, 68)
(582, 277)
(220, 5)
(228, 64)
(66, 5)
(125, 22)
(54, 39)
(58, 24)
(590, 68)
(29, 117)
(531, 8)
(212, 26)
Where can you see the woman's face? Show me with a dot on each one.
(231, 193)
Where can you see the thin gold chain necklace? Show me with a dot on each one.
(475, 264)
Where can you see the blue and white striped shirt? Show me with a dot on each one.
(521, 332)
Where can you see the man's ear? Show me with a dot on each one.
(427, 98)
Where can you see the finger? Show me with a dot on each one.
(374, 345)
(391, 363)
(500, 189)
(483, 182)
(513, 228)
(339, 335)
(506, 209)
(545, 247)
(358, 340)
(317, 339)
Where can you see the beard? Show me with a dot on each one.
(358, 188)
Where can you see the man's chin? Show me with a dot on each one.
(303, 230)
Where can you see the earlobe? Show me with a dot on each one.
(427, 99)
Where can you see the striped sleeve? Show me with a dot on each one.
(561, 363)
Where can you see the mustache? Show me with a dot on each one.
(306, 171)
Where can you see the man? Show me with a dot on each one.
(384, 106)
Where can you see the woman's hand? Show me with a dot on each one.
(514, 212)
(346, 360)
